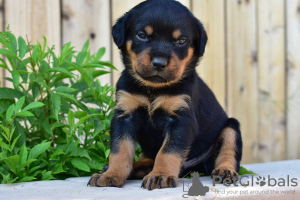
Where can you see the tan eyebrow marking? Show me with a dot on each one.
(176, 34)
(149, 30)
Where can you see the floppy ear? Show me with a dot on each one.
(202, 38)
(119, 30)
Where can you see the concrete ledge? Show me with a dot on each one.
(75, 188)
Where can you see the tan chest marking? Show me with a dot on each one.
(128, 102)
(171, 103)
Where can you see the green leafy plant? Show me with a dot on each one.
(55, 119)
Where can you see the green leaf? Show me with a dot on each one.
(27, 163)
(58, 168)
(9, 54)
(15, 140)
(71, 119)
(3, 40)
(86, 46)
(9, 93)
(55, 155)
(12, 162)
(19, 104)
(70, 97)
(243, 170)
(80, 114)
(3, 145)
(33, 105)
(101, 146)
(83, 73)
(27, 178)
(23, 47)
(82, 120)
(100, 53)
(107, 153)
(25, 113)
(5, 103)
(23, 154)
(46, 175)
(56, 104)
(45, 43)
(97, 73)
(80, 57)
(80, 164)
(64, 89)
(107, 64)
(47, 128)
(61, 70)
(38, 149)
(10, 112)
(79, 152)
(16, 78)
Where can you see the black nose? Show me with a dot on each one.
(159, 64)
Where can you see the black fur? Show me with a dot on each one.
(196, 129)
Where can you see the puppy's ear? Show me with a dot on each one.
(202, 38)
(119, 30)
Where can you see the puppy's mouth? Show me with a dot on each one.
(156, 79)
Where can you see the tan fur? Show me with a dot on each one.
(176, 34)
(124, 156)
(182, 64)
(226, 158)
(171, 103)
(129, 102)
(115, 174)
(149, 29)
(141, 64)
(167, 167)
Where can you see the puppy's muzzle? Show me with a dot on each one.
(159, 64)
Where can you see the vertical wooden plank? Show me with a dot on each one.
(242, 71)
(293, 77)
(118, 9)
(212, 67)
(271, 82)
(1, 29)
(90, 19)
(34, 18)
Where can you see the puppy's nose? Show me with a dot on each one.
(159, 64)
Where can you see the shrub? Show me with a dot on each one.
(47, 129)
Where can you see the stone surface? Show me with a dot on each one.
(76, 188)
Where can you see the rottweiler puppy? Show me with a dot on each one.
(163, 104)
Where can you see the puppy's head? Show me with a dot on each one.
(160, 41)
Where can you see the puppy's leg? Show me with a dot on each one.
(127, 122)
(173, 152)
(140, 168)
(227, 162)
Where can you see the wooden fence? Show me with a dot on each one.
(252, 59)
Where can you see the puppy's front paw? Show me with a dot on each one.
(159, 180)
(224, 173)
(106, 180)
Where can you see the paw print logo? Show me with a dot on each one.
(261, 181)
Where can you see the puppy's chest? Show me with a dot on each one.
(128, 103)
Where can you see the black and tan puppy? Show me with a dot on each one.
(162, 104)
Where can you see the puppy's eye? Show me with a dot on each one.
(142, 36)
(181, 41)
